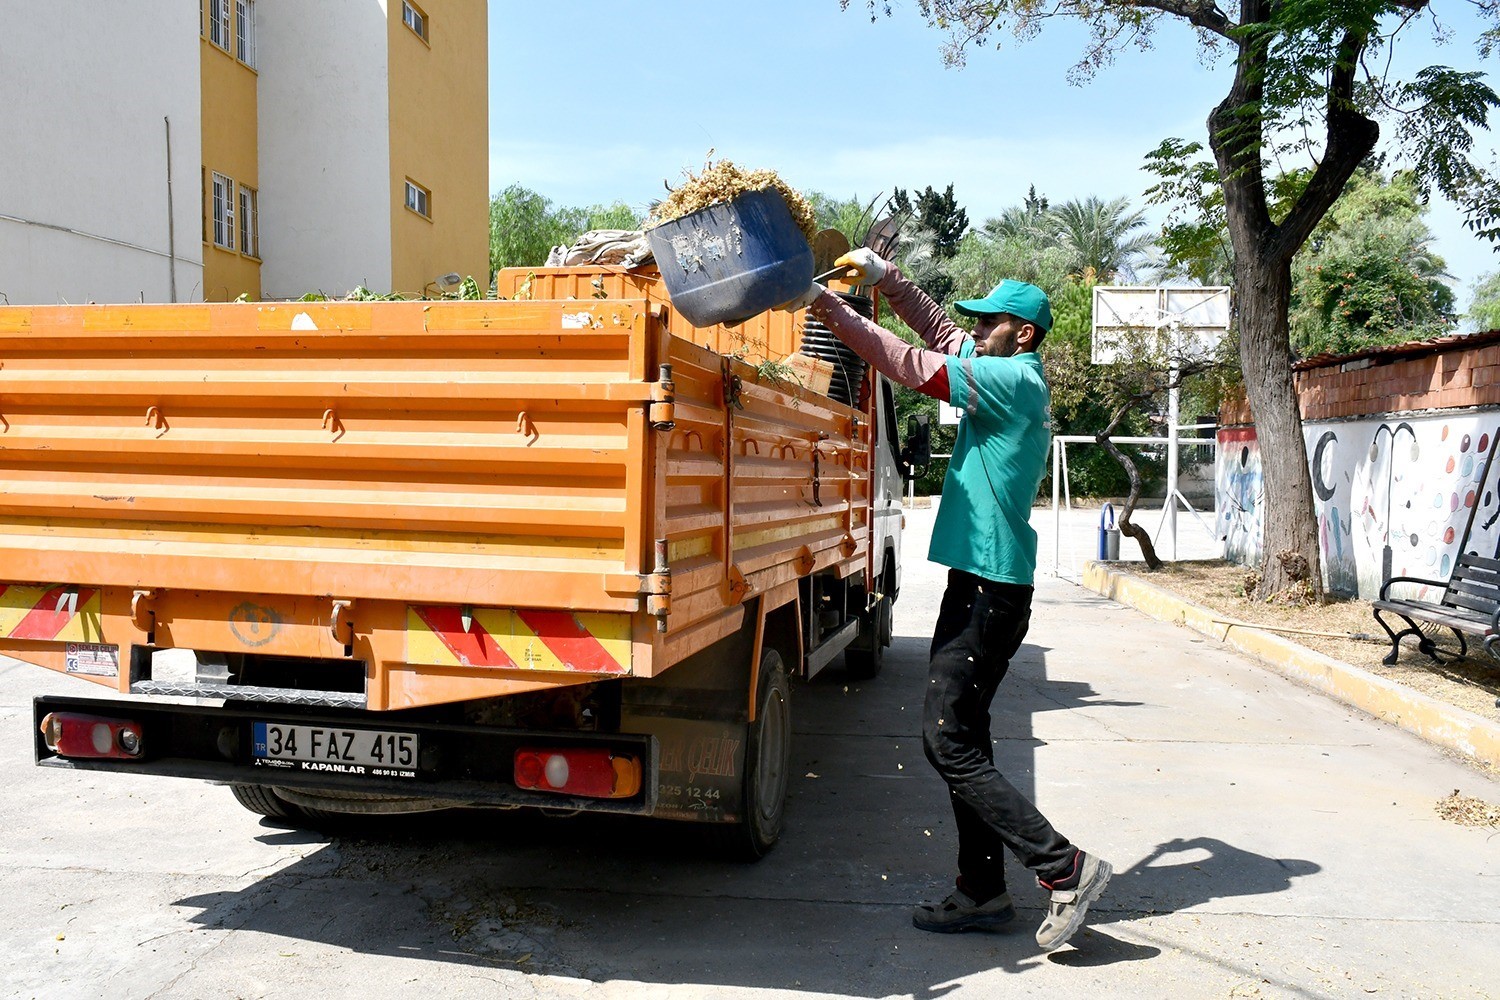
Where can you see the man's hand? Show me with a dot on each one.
(868, 267)
(804, 300)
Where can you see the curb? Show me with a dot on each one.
(1435, 721)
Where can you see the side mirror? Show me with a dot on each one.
(916, 451)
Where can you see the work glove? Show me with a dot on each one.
(804, 300)
(866, 263)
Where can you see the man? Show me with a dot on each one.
(983, 535)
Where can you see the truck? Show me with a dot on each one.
(554, 551)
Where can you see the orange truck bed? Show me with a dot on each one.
(470, 498)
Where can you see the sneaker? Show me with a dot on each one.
(960, 913)
(1068, 906)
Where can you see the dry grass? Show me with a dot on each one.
(1466, 810)
(1353, 634)
(721, 182)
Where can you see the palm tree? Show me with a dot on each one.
(1026, 221)
(1101, 238)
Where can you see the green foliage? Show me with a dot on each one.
(468, 289)
(1367, 275)
(1484, 308)
(932, 229)
(939, 214)
(1102, 239)
(850, 216)
(1090, 240)
(1024, 221)
(1194, 240)
(357, 294)
(524, 226)
(983, 261)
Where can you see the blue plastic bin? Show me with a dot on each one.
(729, 262)
(1109, 535)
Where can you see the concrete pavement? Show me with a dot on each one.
(1269, 843)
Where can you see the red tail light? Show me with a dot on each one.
(594, 773)
(69, 734)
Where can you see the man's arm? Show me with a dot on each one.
(920, 312)
(922, 370)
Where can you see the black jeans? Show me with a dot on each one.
(979, 628)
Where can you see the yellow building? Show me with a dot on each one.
(345, 143)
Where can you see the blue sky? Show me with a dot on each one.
(594, 102)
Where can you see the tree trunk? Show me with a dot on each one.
(1290, 521)
(1263, 251)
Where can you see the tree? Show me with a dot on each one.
(939, 214)
(1103, 239)
(1367, 276)
(1025, 221)
(850, 216)
(1015, 245)
(1484, 309)
(524, 227)
(933, 229)
(1306, 82)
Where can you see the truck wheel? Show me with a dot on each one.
(768, 758)
(863, 663)
(261, 799)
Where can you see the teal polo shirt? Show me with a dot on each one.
(983, 523)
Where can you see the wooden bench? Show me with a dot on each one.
(1470, 605)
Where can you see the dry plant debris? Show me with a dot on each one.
(724, 181)
(1466, 810)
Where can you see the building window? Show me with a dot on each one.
(419, 199)
(249, 222)
(414, 18)
(244, 31)
(223, 208)
(218, 23)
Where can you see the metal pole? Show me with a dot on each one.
(1172, 404)
(1056, 510)
(171, 227)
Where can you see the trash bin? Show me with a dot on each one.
(1109, 535)
(733, 260)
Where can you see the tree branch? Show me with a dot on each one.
(1351, 137)
(1236, 135)
(1200, 13)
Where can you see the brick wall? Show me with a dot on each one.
(1441, 374)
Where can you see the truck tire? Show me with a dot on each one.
(768, 759)
(263, 800)
(862, 662)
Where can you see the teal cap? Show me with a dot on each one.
(1015, 297)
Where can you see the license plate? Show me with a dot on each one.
(374, 752)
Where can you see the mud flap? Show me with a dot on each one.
(699, 713)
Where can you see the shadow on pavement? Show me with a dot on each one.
(609, 899)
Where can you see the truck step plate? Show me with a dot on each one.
(376, 752)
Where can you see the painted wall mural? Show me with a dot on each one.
(1393, 496)
(1241, 494)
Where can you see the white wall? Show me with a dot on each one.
(1398, 488)
(84, 88)
(325, 202)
